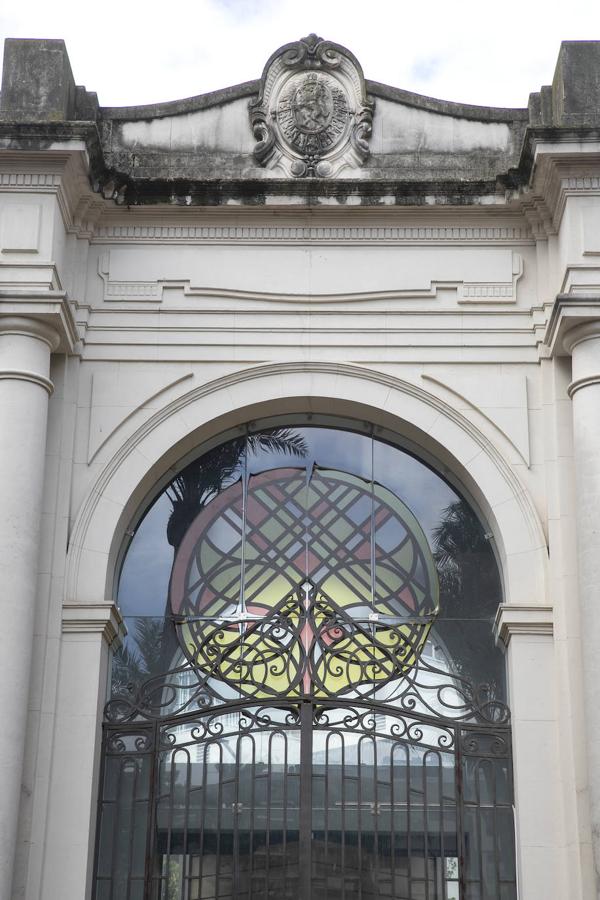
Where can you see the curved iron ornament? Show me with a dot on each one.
(423, 690)
(476, 739)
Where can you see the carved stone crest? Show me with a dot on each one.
(312, 117)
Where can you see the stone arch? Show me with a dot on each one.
(426, 424)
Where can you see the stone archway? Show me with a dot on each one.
(136, 460)
(428, 423)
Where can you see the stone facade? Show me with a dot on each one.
(309, 242)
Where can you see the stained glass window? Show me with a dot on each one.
(304, 530)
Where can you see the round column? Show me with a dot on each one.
(25, 348)
(583, 342)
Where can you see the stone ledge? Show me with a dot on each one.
(529, 620)
(94, 618)
(50, 308)
(569, 311)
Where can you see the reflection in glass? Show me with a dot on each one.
(228, 813)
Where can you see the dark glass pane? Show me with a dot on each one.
(144, 581)
(103, 890)
(106, 840)
(123, 826)
(467, 648)
(149, 649)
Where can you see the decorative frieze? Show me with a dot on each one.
(487, 291)
(131, 290)
(30, 179)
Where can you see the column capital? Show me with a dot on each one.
(30, 327)
(525, 620)
(27, 356)
(570, 313)
(584, 331)
(44, 314)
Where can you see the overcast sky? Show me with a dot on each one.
(469, 51)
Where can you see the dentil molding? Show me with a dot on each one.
(343, 234)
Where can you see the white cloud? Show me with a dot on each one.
(466, 51)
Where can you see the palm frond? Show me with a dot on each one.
(279, 440)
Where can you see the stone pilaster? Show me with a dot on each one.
(526, 632)
(89, 630)
(25, 348)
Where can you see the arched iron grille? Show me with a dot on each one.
(303, 740)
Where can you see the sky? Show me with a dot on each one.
(472, 52)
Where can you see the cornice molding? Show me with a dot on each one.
(65, 174)
(561, 170)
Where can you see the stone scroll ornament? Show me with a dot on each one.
(312, 117)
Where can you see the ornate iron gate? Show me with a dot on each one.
(306, 800)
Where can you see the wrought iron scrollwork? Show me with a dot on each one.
(310, 648)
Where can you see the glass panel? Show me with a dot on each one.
(489, 830)
(257, 518)
(124, 820)
(308, 548)
(384, 817)
(228, 811)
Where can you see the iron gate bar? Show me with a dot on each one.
(151, 855)
(305, 812)
(460, 817)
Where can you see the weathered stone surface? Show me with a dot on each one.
(576, 85)
(395, 147)
(37, 82)
(573, 99)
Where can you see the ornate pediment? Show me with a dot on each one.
(312, 116)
